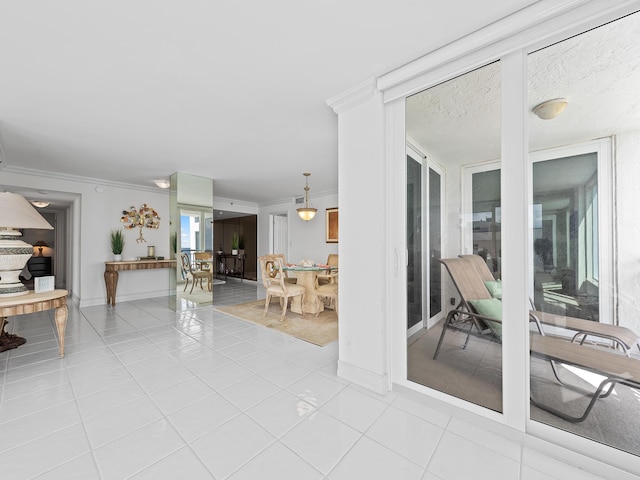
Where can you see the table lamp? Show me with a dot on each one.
(40, 244)
(15, 213)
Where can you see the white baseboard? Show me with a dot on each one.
(364, 378)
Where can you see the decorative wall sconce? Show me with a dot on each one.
(144, 217)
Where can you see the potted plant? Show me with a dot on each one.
(241, 244)
(235, 243)
(117, 244)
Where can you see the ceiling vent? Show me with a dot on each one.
(298, 200)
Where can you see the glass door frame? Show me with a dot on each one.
(607, 261)
(467, 198)
(424, 240)
(427, 164)
(440, 170)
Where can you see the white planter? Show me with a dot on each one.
(234, 252)
(117, 258)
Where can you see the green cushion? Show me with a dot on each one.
(491, 308)
(495, 289)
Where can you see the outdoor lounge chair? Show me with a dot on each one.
(621, 337)
(471, 289)
(615, 367)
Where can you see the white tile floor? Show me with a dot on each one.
(145, 392)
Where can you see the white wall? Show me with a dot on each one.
(307, 240)
(362, 248)
(97, 214)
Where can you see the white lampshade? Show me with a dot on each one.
(15, 212)
(307, 214)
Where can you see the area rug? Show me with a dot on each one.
(320, 330)
(199, 296)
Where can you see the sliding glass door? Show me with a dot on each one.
(566, 247)
(434, 207)
(583, 230)
(415, 290)
(424, 242)
(452, 351)
(548, 203)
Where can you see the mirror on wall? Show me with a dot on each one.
(191, 237)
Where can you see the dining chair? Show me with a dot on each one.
(327, 291)
(202, 256)
(287, 278)
(332, 261)
(195, 275)
(273, 280)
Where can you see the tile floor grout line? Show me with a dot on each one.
(82, 421)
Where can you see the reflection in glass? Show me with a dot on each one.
(452, 125)
(584, 231)
(565, 236)
(191, 214)
(414, 242)
(435, 243)
(486, 218)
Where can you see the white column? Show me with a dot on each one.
(362, 206)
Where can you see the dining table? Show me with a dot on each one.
(306, 276)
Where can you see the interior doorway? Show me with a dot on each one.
(279, 234)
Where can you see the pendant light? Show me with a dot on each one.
(306, 213)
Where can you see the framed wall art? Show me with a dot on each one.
(332, 225)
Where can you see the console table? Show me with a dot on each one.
(32, 303)
(221, 258)
(111, 270)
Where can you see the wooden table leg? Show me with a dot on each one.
(111, 281)
(62, 312)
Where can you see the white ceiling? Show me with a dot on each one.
(134, 91)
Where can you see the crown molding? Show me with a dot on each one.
(232, 204)
(80, 179)
(287, 200)
(499, 30)
(353, 96)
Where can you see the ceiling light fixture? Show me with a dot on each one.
(306, 213)
(39, 204)
(551, 108)
(162, 183)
